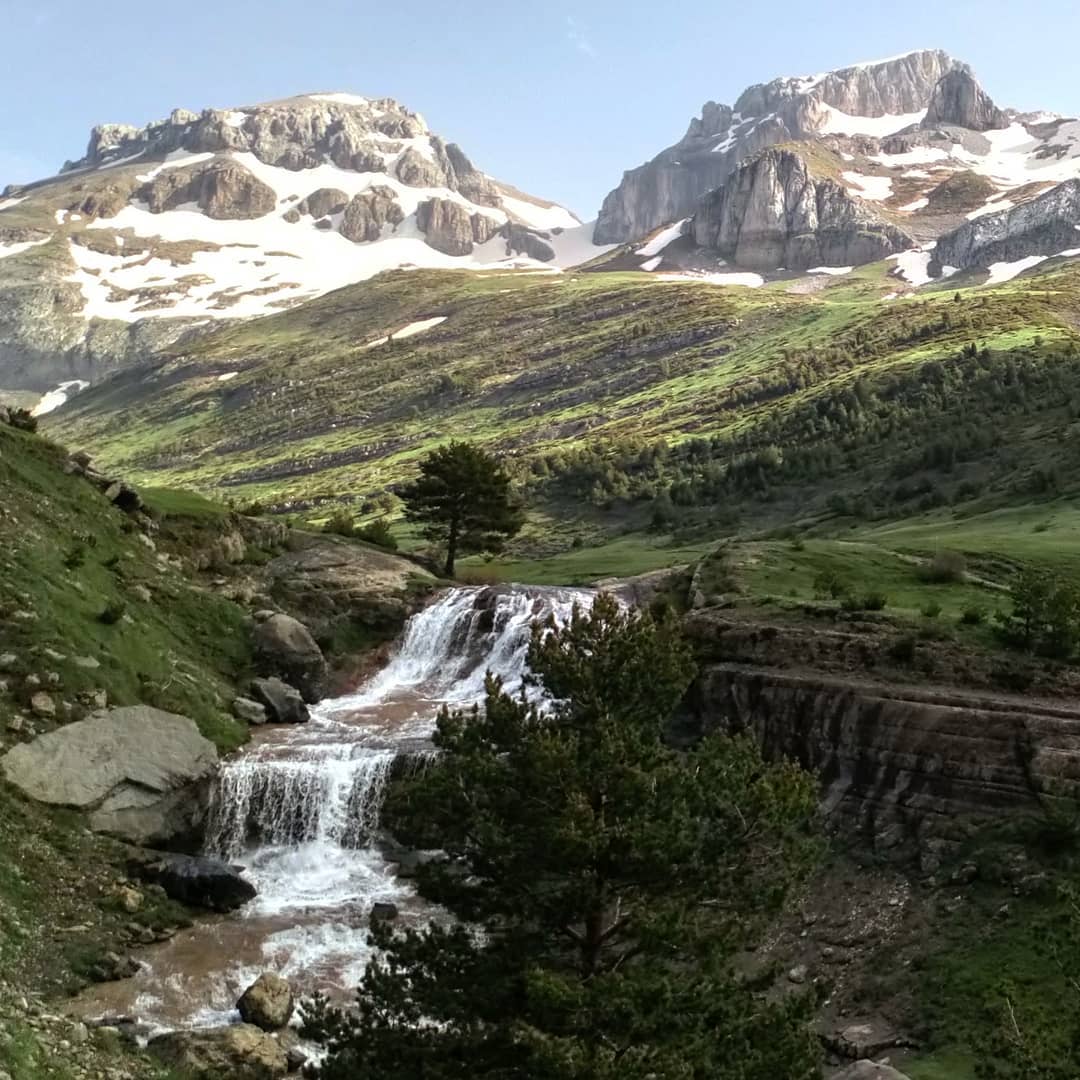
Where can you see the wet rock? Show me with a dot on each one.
(194, 880)
(138, 772)
(113, 967)
(252, 712)
(267, 1002)
(283, 703)
(284, 647)
(383, 911)
(240, 1052)
(296, 1058)
(869, 1070)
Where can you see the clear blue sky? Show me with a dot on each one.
(556, 98)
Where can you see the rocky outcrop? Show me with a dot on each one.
(1047, 225)
(221, 189)
(324, 201)
(283, 704)
(521, 240)
(869, 1070)
(194, 880)
(910, 771)
(368, 212)
(267, 1002)
(137, 772)
(774, 213)
(959, 101)
(419, 170)
(284, 647)
(240, 1052)
(449, 227)
(668, 188)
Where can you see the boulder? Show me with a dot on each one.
(267, 1002)
(447, 226)
(383, 911)
(194, 880)
(869, 1070)
(418, 170)
(140, 773)
(284, 647)
(251, 712)
(283, 704)
(112, 967)
(42, 705)
(222, 189)
(324, 201)
(368, 212)
(239, 1052)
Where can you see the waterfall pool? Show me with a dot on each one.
(299, 806)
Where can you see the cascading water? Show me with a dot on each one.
(299, 808)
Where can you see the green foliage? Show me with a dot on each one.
(828, 585)
(1034, 1039)
(340, 523)
(379, 533)
(1045, 616)
(604, 884)
(931, 610)
(945, 568)
(462, 500)
(23, 420)
(113, 612)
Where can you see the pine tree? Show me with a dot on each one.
(462, 499)
(602, 883)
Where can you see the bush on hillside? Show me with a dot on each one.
(23, 420)
(945, 568)
(378, 533)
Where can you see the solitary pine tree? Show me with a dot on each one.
(462, 500)
(602, 884)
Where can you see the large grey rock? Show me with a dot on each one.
(450, 228)
(284, 647)
(221, 189)
(283, 703)
(869, 1070)
(1046, 225)
(267, 1002)
(324, 201)
(668, 187)
(418, 170)
(959, 100)
(194, 880)
(773, 212)
(138, 772)
(239, 1052)
(369, 211)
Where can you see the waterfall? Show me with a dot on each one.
(322, 783)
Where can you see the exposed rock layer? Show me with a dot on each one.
(774, 213)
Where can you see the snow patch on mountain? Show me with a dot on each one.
(841, 123)
(662, 239)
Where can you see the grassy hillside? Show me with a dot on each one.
(532, 364)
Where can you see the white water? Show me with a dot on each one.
(299, 809)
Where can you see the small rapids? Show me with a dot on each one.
(299, 808)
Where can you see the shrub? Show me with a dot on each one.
(973, 616)
(903, 649)
(828, 585)
(75, 556)
(875, 600)
(377, 532)
(23, 420)
(340, 523)
(113, 613)
(931, 610)
(944, 568)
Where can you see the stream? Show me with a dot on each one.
(299, 807)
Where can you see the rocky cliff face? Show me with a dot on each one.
(668, 187)
(1047, 225)
(911, 771)
(773, 212)
(959, 100)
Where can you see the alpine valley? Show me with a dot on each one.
(808, 384)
